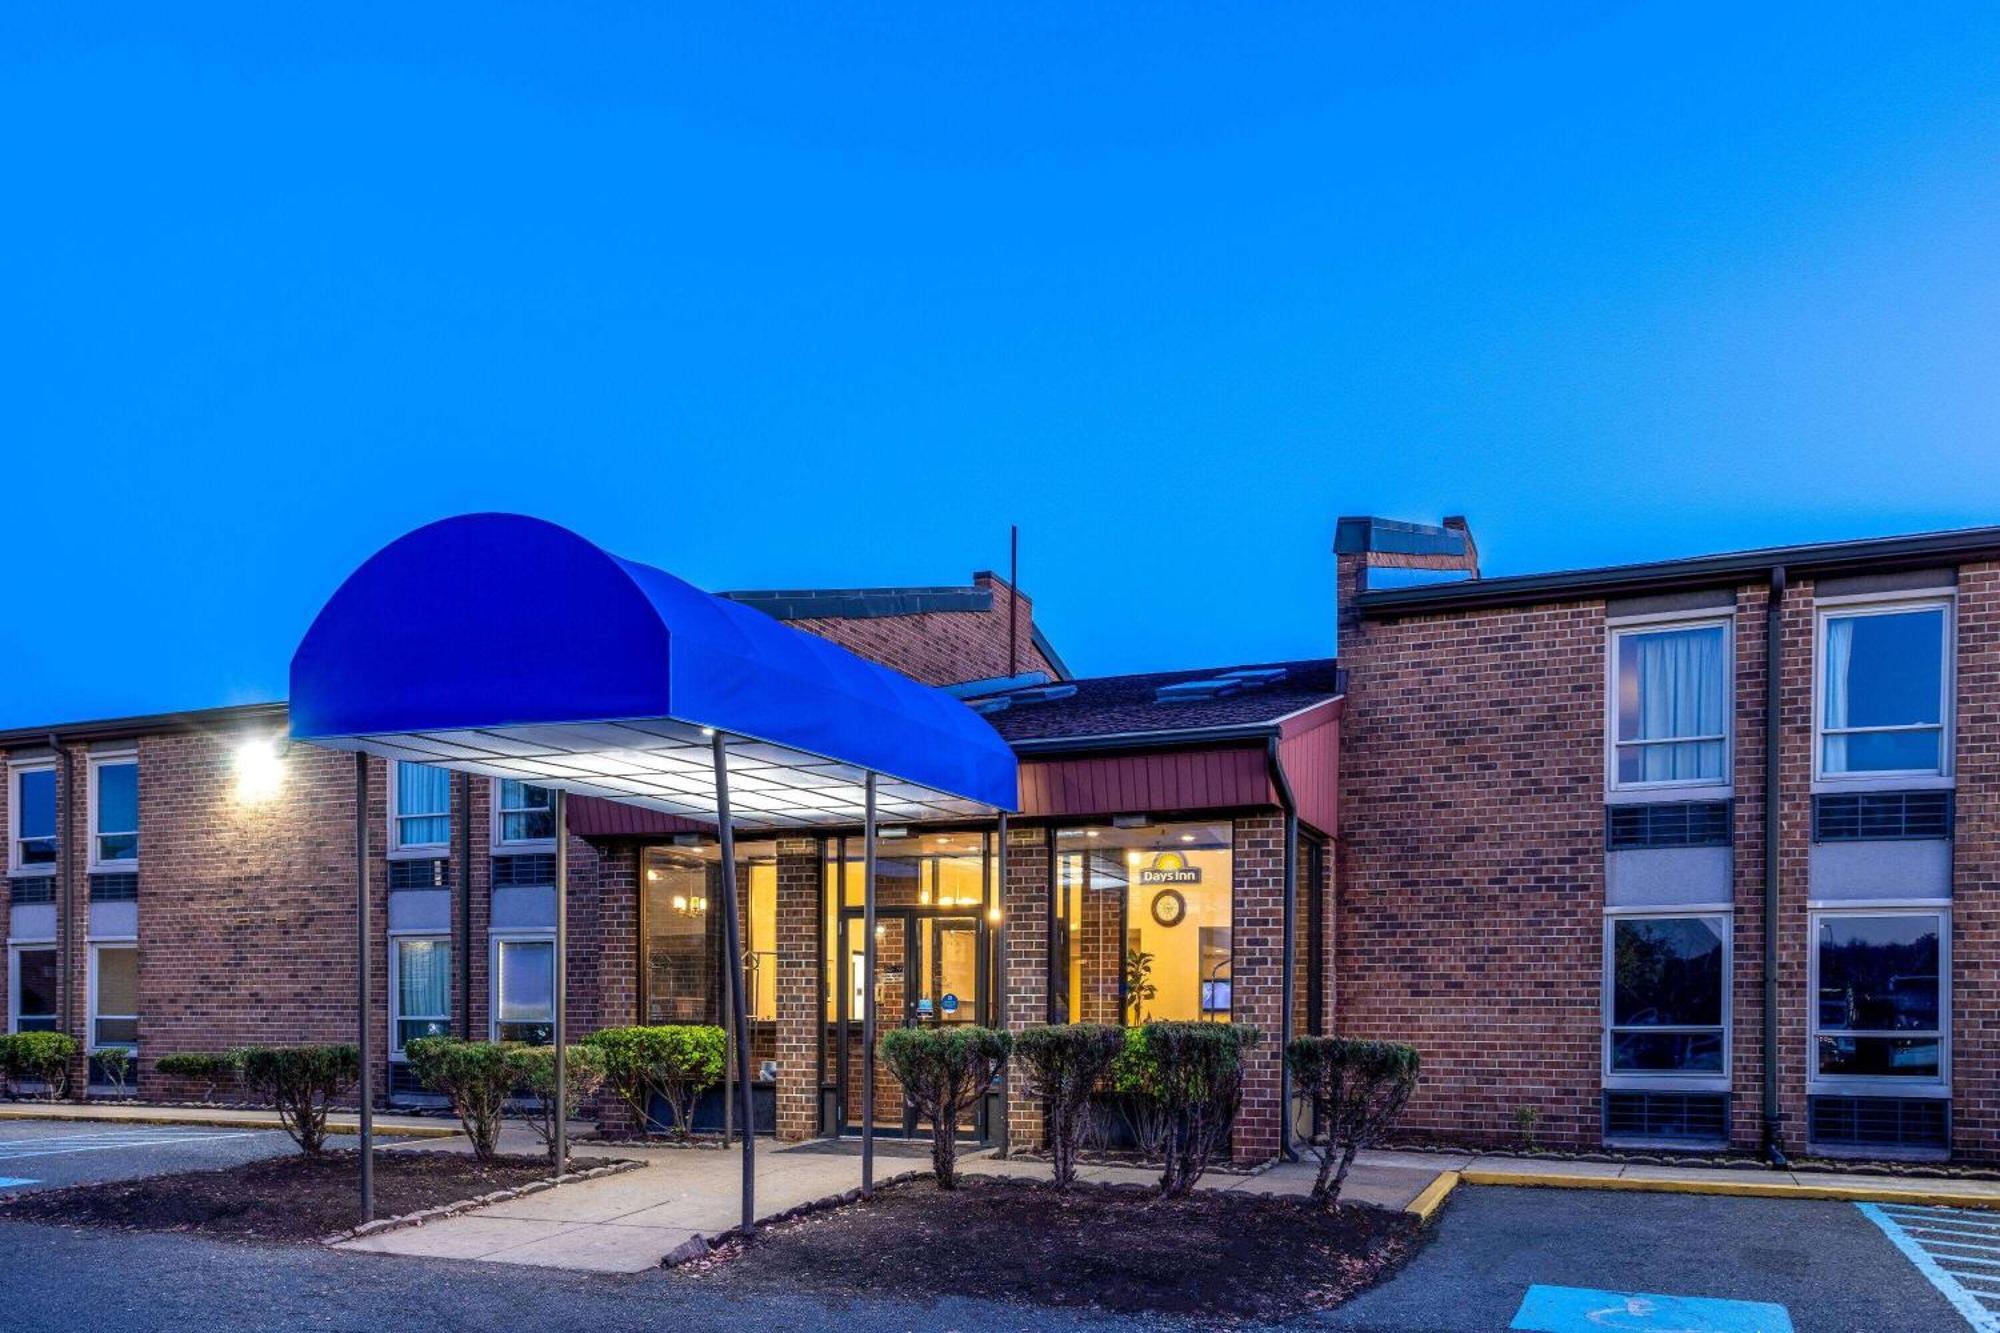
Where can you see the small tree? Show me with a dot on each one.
(1192, 1077)
(476, 1077)
(116, 1063)
(206, 1067)
(301, 1081)
(677, 1062)
(1139, 987)
(1065, 1063)
(534, 1068)
(41, 1057)
(942, 1070)
(1357, 1089)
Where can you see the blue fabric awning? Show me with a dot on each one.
(506, 645)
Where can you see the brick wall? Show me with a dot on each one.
(1471, 861)
(1975, 1018)
(941, 647)
(801, 1001)
(1024, 902)
(1257, 953)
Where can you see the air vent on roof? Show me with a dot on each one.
(988, 707)
(1215, 687)
(1257, 675)
(1042, 694)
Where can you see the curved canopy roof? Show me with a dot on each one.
(506, 645)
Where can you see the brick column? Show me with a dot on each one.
(1257, 939)
(1975, 916)
(1024, 900)
(801, 999)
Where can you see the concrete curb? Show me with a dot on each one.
(210, 1120)
(699, 1247)
(1431, 1198)
(1747, 1189)
(444, 1210)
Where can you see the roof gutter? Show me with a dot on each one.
(1871, 555)
(147, 724)
(1146, 740)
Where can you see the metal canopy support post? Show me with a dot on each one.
(733, 949)
(868, 991)
(1000, 979)
(365, 997)
(560, 1015)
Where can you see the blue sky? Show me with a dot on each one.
(797, 300)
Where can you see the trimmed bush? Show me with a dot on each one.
(1184, 1082)
(209, 1068)
(534, 1068)
(476, 1077)
(942, 1070)
(39, 1057)
(679, 1062)
(115, 1063)
(1357, 1090)
(1065, 1063)
(300, 1081)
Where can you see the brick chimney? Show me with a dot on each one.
(1361, 543)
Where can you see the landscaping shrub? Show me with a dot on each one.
(1182, 1084)
(39, 1057)
(534, 1068)
(476, 1077)
(300, 1081)
(679, 1062)
(1357, 1089)
(115, 1063)
(1065, 1063)
(942, 1070)
(210, 1068)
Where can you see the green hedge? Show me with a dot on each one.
(476, 1077)
(677, 1061)
(943, 1070)
(301, 1081)
(38, 1057)
(1357, 1089)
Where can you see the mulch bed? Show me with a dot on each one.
(292, 1198)
(1216, 1257)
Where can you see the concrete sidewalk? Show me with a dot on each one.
(628, 1223)
(222, 1117)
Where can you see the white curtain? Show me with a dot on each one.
(1839, 659)
(423, 978)
(423, 804)
(1680, 694)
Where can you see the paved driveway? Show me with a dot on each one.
(1827, 1264)
(48, 1154)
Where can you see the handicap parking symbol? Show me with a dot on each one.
(1583, 1310)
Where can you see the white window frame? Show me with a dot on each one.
(1684, 788)
(397, 847)
(98, 763)
(15, 768)
(500, 937)
(1880, 1085)
(1657, 1079)
(97, 947)
(499, 823)
(396, 1015)
(15, 948)
(1828, 608)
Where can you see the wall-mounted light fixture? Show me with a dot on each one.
(260, 769)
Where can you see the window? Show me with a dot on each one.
(31, 1001)
(525, 813)
(524, 989)
(31, 819)
(1667, 1002)
(114, 813)
(683, 938)
(1884, 683)
(420, 809)
(1143, 927)
(419, 990)
(1670, 692)
(114, 995)
(1880, 1011)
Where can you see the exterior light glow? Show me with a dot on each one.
(993, 914)
(259, 771)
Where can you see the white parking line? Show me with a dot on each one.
(1949, 1247)
(19, 1149)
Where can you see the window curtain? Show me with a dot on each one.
(423, 804)
(423, 979)
(1839, 661)
(1681, 688)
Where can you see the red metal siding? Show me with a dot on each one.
(1141, 783)
(1309, 749)
(594, 817)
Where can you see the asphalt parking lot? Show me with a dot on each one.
(49, 1154)
(1826, 1265)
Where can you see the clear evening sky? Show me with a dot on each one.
(801, 300)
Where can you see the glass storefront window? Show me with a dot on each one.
(933, 872)
(1143, 923)
(683, 932)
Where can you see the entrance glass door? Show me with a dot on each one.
(930, 971)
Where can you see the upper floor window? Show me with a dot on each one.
(421, 814)
(114, 812)
(1883, 685)
(524, 813)
(1671, 699)
(31, 817)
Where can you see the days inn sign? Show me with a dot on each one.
(1169, 868)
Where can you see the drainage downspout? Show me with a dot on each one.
(1287, 986)
(1772, 696)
